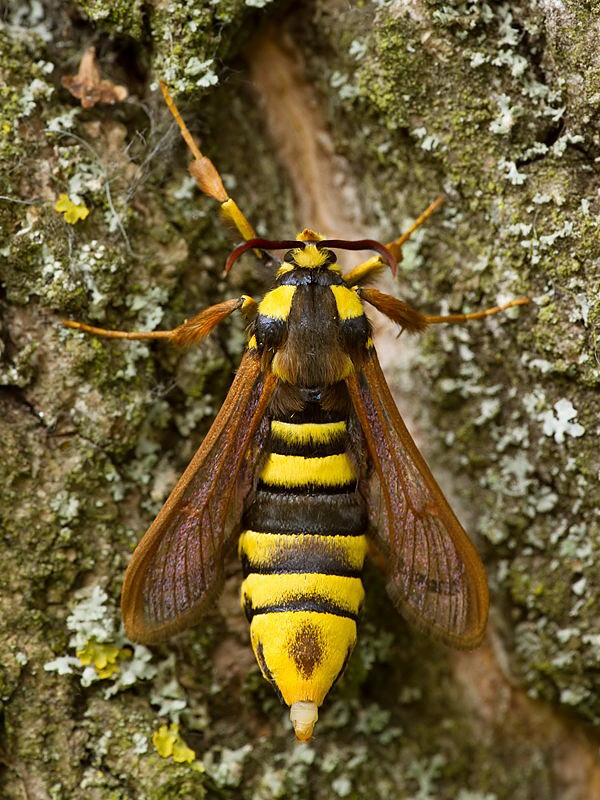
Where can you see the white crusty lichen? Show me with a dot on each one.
(559, 423)
(102, 653)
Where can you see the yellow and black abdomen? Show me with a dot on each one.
(302, 553)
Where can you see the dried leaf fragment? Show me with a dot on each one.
(88, 86)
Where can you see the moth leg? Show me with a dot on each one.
(207, 176)
(395, 247)
(435, 319)
(373, 266)
(189, 332)
(414, 321)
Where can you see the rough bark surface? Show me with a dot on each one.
(349, 117)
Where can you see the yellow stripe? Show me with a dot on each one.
(265, 548)
(277, 303)
(252, 344)
(269, 590)
(348, 302)
(307, 432)
(335, 470)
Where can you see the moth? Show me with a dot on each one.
(306, 463)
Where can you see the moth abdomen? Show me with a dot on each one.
(303, 552)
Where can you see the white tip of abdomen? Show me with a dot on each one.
(304, 714)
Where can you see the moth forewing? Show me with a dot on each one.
(435, 576)
(177, 568)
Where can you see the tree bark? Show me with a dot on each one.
(351, 119)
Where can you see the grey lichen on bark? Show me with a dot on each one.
(489, 97)
(493, 106)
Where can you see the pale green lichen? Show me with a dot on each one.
(558, 422)
(122, 16)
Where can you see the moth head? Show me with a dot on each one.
(310, 250)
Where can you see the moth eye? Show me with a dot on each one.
(289, 257)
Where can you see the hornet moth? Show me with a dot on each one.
(307, 460)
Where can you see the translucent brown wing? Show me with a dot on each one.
(436, 578)
(177, 568)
